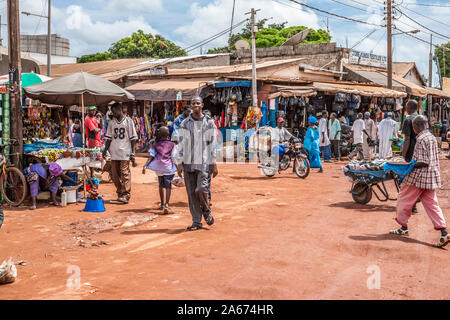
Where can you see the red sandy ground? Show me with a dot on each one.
(274, 238)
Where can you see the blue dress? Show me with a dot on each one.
(311, 144)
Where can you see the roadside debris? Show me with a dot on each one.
(8, 272)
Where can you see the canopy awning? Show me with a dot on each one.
(226, 84)
(292, 91)
(167, 90)
(438, 93)
(360, 89)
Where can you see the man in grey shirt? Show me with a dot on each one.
(196, 157)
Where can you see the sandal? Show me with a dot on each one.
(194, 227)
(399, 232)
(161, 206)
(443, 241)
(209, 220)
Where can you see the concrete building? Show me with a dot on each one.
(35, 47)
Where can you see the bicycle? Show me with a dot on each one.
(13, 185)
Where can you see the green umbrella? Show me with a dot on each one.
(28, 79)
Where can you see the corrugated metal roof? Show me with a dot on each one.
(225, 70)
(360, 89)
(117, 68)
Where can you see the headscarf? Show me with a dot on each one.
(55, 169)
(312, 119)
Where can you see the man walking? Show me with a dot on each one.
(422, 183)
(196, 157)
(323, 136)
(120, 140)
(177, 122)
(387, 129)
(371, 129)
(358, 128)
(335, 135)
(409, 142)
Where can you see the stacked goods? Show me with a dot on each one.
(76, 153)
(365, 165)
(93, 192)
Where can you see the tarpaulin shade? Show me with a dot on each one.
(227, 84)
(68, 90)
(167, 90)
(292, 91)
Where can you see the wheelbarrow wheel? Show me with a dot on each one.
(361, 193)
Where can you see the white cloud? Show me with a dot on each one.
(214, 17)
(136, 5)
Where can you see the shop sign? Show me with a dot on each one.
(367, 59)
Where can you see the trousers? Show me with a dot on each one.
(407, 198)
(121, 176)
(197, 187)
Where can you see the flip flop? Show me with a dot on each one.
(194, 228)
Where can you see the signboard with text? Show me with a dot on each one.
(367, 59)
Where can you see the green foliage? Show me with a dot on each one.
(275, 35)
(138, 45)
(439, 52)
(101, 56)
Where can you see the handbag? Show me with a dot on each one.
(340, 97)
(356, 98)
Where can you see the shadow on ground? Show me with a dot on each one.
(363, 207)
(387, 236)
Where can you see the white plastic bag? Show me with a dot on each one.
(8, 272)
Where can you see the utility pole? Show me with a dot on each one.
(49, 40)
(254, 84)
(389, 43)
(49, 34)
(430, 61)
(15, 71)
(231, 27)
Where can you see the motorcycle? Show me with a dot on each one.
(293, 152)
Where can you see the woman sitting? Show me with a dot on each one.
(45, 177)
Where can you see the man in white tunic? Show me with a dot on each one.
(371, 129)
(323, 136)
(387, 129)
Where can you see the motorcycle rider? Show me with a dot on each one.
(282, 135)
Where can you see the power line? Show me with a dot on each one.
(415, 37)
(334, 14)
(376, 44)
(349, 5)
(364, 37)
(435, 32)
(427, 5)
(418, 13)
(213, 37)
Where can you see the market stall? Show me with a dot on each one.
(78, 89)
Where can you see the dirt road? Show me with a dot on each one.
(274, 238)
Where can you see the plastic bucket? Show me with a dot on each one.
(71, 196)
(94, 205)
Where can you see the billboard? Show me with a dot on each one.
(367, 59)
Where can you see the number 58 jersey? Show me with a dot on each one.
(121, 134)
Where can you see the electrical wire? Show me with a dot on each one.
(428, 5)
(364, 37)
(418, 13)
(334, 14)
(213, 37)
(435, 32)
(378, 42)
(39, 22)
(349, 5)
(415, 37)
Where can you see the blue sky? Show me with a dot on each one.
(93, 25)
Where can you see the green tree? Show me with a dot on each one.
(439, 53)
(275, 35)
(138, 45)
